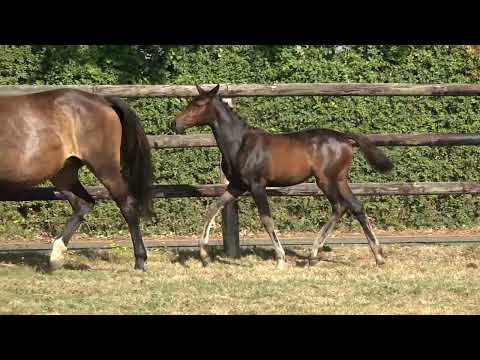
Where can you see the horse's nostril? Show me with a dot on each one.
(178, 127)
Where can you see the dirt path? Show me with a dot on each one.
(82, 241)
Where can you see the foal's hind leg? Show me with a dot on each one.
(338, 209)
(110, 175)
(228, 196)
(260, 196)
(358, 211)
(68, 184)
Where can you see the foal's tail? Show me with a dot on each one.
(135, 156)
(375, 157)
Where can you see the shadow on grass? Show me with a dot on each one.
(36, 260)
(39, 261)
(109, 255)
(292, 256)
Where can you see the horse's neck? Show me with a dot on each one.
(229, 131)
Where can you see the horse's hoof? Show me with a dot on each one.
(56, 264)
(139, 267)
(313, 261)
(380, 262)
(57, 256)
(206, 261)
(280, 264)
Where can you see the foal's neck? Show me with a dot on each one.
(229, 130)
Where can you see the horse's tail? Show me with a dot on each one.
(375, 157)
(135, 155)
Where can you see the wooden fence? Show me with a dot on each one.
(230, 213)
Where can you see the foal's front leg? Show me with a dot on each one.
(259, 194)
(228, 196)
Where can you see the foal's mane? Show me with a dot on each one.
(234, 114)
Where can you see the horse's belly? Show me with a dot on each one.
(31, 161)
(288, 179)
(28, 171)
(287, 171)
(24, 178)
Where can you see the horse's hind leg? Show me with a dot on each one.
(338, 209)
(68, 184)
(110, 175)
(358, 211)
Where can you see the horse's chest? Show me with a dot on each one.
(230, 170)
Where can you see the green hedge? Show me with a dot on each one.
(268, 64)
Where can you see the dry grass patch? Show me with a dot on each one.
(416, 280)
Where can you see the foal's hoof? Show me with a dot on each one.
(380, 262)
(139, 270)
(57, 256)
(56, 264)
(280, 264)
(139, 266)
(313, 261)
(206, 261)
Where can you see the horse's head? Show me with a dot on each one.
(198, 112)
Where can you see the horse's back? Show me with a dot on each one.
(289, 158)
(39, 131)
(41, 98)
(315, 134)
(279, 159)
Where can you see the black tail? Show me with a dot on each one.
(135, 156)
(375, 157)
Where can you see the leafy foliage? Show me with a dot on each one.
(114, 64)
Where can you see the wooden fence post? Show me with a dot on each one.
(230, 220)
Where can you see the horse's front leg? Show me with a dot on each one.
(259, 194)
(228, 196)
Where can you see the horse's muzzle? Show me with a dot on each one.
(178, 128)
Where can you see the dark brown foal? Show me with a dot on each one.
(252, 159)
(51, 135)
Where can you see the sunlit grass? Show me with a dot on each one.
(415, 280)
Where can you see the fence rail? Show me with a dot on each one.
(305, 189)
(426, 139)
(230, 217)
(236, 90)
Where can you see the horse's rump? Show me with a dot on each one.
(39, 131)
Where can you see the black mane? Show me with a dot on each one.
(234, 114)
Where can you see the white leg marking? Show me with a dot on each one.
(205, 235)
(206, 230)
(57, 255)
(277, 245)
(325, 232)
(217, 207)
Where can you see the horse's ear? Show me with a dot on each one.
(214, 91)
(200, 90)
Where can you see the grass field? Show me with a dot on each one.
(416, 280)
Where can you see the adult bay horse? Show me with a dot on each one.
(50, 135)
(253, 159)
